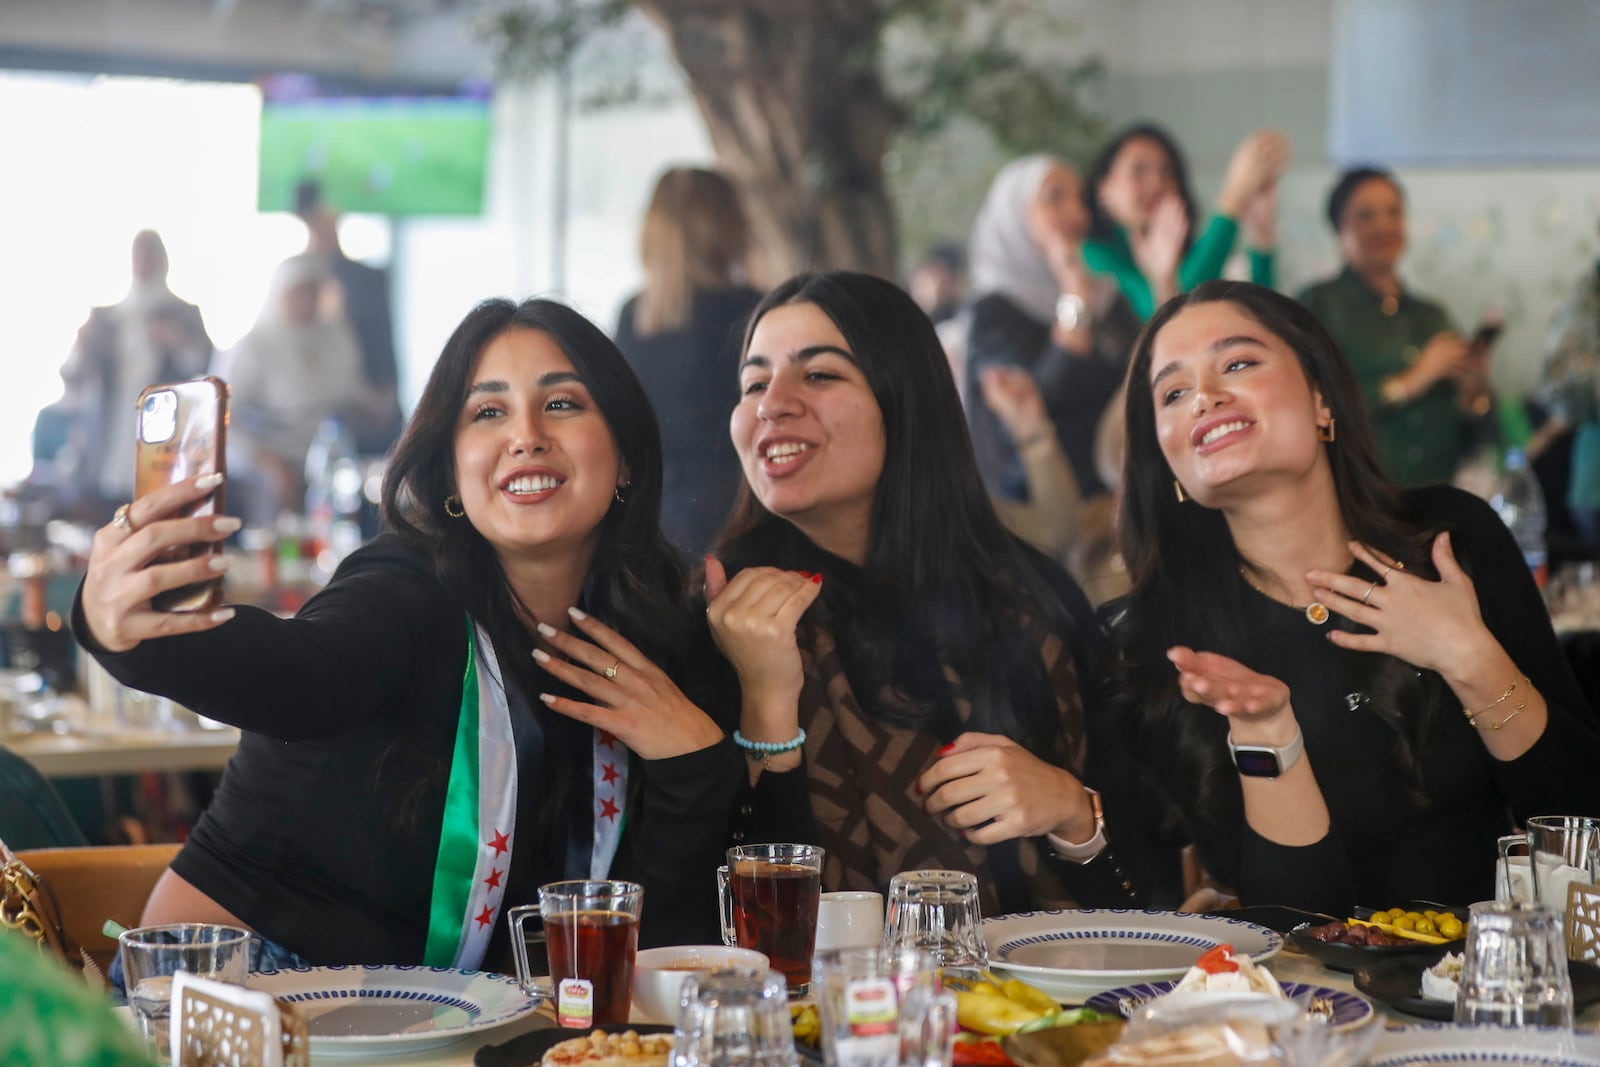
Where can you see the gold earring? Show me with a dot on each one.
(456, 512)
(1177, 487)
(617, 492)
(1326, 433)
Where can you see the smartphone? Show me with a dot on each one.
(182, 433)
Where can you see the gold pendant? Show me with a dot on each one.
(1316, 613)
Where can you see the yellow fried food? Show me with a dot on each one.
(990, 1014)
(807, 1024)
(1029, 996)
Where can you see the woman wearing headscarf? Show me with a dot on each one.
(1039, 308)
(294, 369)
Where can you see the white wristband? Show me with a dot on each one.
(1085, 851)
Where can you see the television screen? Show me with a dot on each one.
(406, 152)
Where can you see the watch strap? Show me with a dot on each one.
(1267, 761)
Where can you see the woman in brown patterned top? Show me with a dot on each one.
(908, 671)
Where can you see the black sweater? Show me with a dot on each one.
(324, 832)
(1382, 849)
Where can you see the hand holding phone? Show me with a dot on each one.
(182, 431)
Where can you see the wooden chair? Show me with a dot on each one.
(97, 883)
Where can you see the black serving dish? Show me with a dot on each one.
(1342, 957)
(529, 1049)
(1398, 983)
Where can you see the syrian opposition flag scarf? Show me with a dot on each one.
(480, 812)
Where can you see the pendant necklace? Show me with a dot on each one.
(1316, 612)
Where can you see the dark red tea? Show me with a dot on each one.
(775, 912)
(597, 947)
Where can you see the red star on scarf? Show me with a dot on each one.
(493, 881)
(606, 739)
(609, 774)
(500, 843)
(485, 917)
(609, 810)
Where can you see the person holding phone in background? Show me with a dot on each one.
(481, 701)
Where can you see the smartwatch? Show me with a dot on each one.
(1264, 761)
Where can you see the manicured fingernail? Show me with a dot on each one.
(226, 523)
(547, 698)
(804, 574)
(945, 750)
(541, 655)
(816, 579)
(576, 614)
(220, 563)
(209, 481)
(918, 787)
(546, 629)
(223, 614)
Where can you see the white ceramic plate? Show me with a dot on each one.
(359, 1011)
(1347, 1011)
(1442, 1043)
(1074, 954)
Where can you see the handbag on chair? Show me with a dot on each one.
(29, 905)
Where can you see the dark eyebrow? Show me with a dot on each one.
(1221, 344)
(809, 352)
(555, 377)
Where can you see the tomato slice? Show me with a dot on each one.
(973, 1050)
(1218, 961)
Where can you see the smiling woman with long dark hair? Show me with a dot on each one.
(1346, 689)
(479, 702)
(908, 670)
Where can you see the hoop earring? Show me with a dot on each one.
(1177, 487)
(617, 492)
(1326, 433)
(458, 511)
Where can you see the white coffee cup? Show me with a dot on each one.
(849, 919)
(659, 974)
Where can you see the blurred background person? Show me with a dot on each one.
(296, 367)
(1143, 215)
(1406, 353)
(939, 281)
(1569, 389)
(150, 336)
(374, 419)
(681, 334)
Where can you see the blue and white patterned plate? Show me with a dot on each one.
(362, 1010)
(1074, 954)
(1443, 1043)
(1347, 1011)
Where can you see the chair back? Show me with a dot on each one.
(97, 883)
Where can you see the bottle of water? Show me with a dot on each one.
(1520, 503)
(333, 496)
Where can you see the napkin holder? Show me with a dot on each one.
(221, 1025)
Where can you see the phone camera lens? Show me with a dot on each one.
(150, 403)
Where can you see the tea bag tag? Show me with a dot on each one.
(575, 1003)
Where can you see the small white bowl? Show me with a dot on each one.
(658, 975)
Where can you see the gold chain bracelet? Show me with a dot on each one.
(1472, 716)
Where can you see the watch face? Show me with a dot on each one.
(1257, 762)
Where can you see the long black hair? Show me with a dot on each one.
(635, 580)
(940, 567)
(1351, 180)
(1102, 227)
(1185, 570)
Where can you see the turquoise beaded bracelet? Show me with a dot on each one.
(763, 749)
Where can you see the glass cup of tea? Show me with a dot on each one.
(768, 897)
(591, 936)
(937, 911)
(1514, 970)
(883, 1007)
(734, 1018)
(151, 955)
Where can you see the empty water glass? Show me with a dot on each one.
(1514, 972)
(734, 1018)
(151, 955)
(937, 911)
(882, 1007)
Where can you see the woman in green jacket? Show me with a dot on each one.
(1143, 214)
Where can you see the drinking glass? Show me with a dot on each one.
(591, 934)
(1515, 968)
(938, 911)
(1562, 849)
(768, 897)
(882, 1007)
(734, 1018)
(151, 955)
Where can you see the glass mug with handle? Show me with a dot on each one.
(1562, 849)
(591, 936)
(768, 896)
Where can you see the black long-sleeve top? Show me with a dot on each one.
(324, 832)
(1381, 849)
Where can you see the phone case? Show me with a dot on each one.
(182, 433)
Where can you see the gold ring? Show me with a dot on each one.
(1399, 564)
(1368, 593)
(1386, 572)
(121, 521)
(611, 671)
